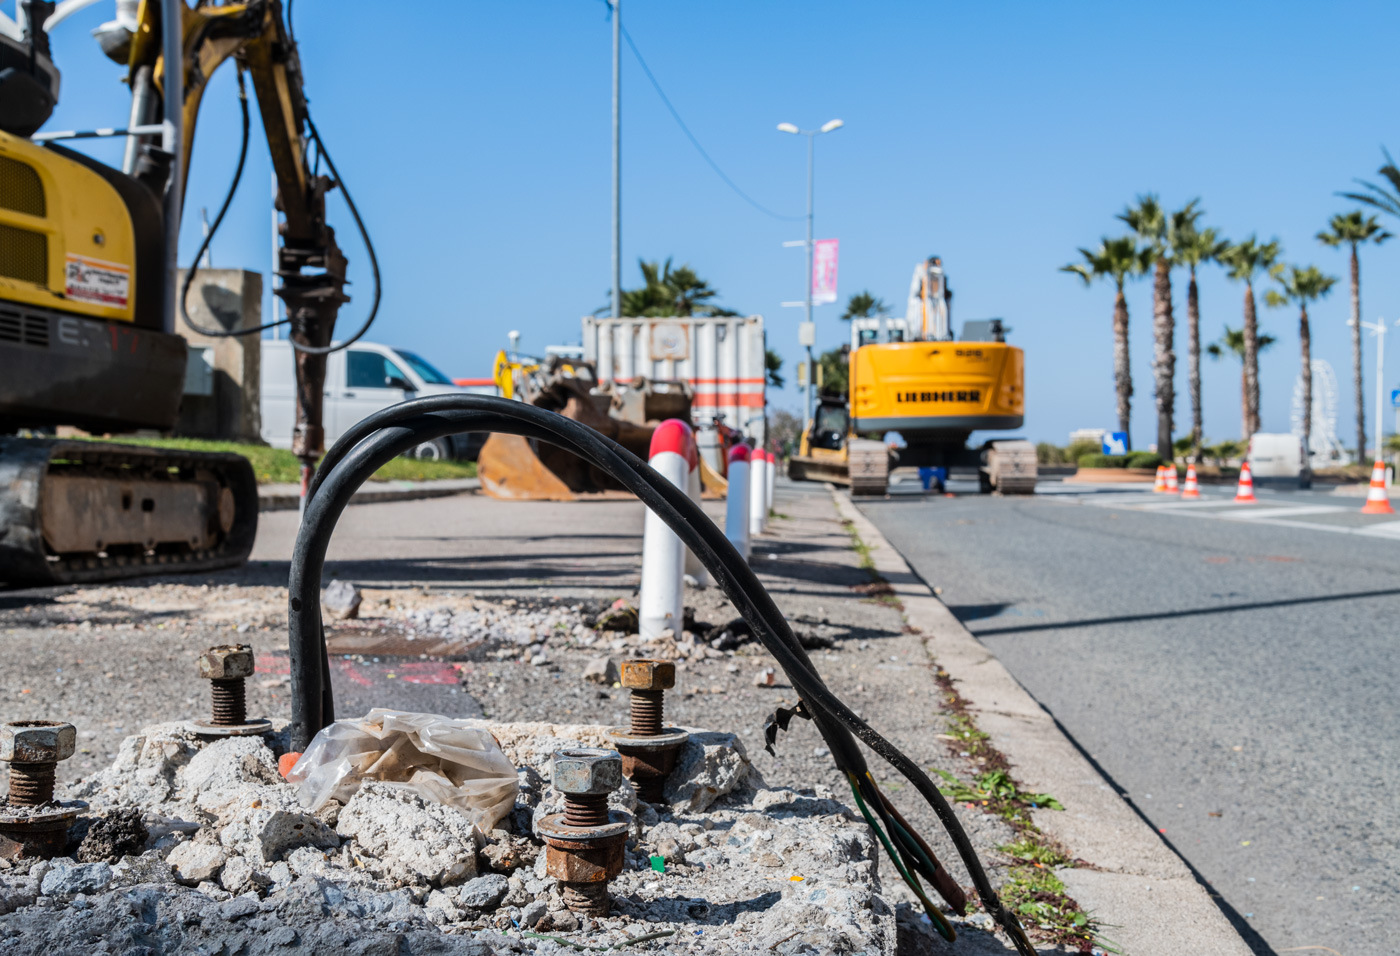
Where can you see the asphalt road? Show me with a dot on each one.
(1235, 677)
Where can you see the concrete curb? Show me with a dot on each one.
(287, 497)
(1143, 894)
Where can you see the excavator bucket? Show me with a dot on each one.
(712, 481)
(510, 470)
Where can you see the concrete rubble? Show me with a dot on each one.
(231, 862)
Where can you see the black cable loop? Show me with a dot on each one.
(213, 231)
(357, 456)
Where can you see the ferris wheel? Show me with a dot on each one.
(1326, 448)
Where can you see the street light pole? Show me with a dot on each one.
(617, 160)
(811, 134)
(1378, 329)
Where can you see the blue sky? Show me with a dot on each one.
(475, 138)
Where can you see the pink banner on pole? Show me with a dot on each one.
(824, 254)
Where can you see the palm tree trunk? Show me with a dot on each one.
(1244, 403)
(1193, 332)
(1305, 339)
(1356, 354)
(1122, 370)
(1251, 363)
(1163, 358)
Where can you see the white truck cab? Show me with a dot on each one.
(360, 380)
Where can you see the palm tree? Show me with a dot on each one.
(863, 305)
(1301, 286)
(667, 291)
(1192, 247)
(773, 366)
(1155, 227)
(1245, 260)
(1352, 229)
(1232, 342)
(1118, 259)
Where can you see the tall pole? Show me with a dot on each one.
(1380, 380)
(272, 276)
(172, 139)
(617, 160)
(811, 372)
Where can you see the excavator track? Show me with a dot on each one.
(81, 512)
(869, 467)
(1011, 467)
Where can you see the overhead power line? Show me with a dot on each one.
(695, 142)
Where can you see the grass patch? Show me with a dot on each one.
(997, 792)
(1035, 851)
(862, 550)
(273, 465)
(1038, 897)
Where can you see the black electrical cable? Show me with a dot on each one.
(321, 150)
(213, 230)
(390, 432)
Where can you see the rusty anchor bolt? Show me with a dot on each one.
(584, 844)
(33, 749)
(225, 667)
(30, 825)
(648, 748)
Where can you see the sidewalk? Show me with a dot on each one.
(287, 496)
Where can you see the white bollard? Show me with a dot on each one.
(663, 554)
(736, 507)
(770, 471)
(693, 567)
(758, 490)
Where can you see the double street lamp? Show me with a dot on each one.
(811, 134)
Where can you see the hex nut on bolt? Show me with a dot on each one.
(226, 666)
(31, 824)
(648, 748)
(585, 843)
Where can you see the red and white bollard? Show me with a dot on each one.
(758, 492)
(663, 554)
(693, 567)
(770, 471)
(736, 506)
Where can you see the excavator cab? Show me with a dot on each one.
(829, 425)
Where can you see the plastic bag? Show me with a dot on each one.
(445, 760)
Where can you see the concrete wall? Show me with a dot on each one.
(221, 392)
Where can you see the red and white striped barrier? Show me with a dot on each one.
(758, 492)
(693, 567)
(770, 471)
(736, 507)
(663, 554)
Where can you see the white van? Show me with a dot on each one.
(360, 380)
(1278, 459)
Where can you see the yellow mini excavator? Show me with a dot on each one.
(909, 376)
(87, 327)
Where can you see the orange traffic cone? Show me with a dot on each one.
(1244, 495)
(1377, 501)
(1171, 479)
(1160, 486)
(1192, 490)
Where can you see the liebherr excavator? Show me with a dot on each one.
(87, 333)
(909, 376)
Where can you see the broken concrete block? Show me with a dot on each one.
(601, 670)
(109, 838)
(263, 834)
(144, 772)
(341, 600)
(709, 766)
(195, 863)
(415, 842)
(533, 912)
(66, 879)
(226, 765)
(238, 875)
(484, 892)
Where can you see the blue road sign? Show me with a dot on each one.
(1115, 443)
(1395, 397)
